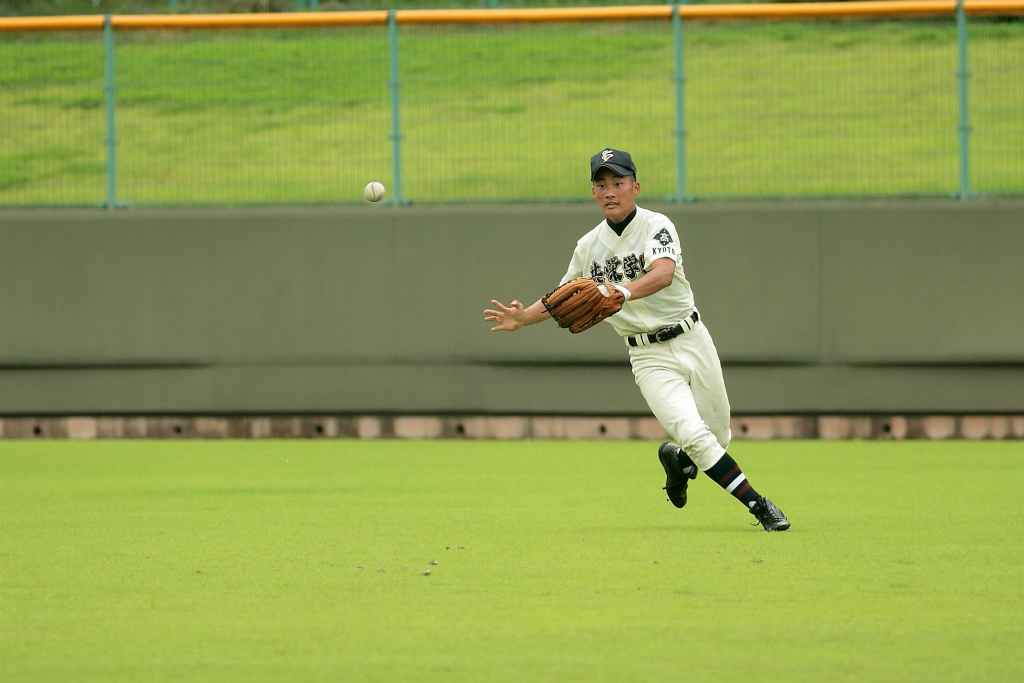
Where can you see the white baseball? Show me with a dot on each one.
(374, 191)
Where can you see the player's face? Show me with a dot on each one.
(615, 194)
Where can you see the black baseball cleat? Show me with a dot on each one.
(677, 474)
(769, 516)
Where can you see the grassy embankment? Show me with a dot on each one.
(812, 109)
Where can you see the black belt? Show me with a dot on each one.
(665, 333)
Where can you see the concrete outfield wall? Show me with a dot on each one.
(817, 307)
(829, 427)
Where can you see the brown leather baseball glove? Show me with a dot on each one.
(582, 303)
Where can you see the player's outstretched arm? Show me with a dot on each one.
(511, 318)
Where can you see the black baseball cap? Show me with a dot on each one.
(617, 161)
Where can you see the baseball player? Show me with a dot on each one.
(634, 255)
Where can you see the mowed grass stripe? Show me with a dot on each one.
(555, 561)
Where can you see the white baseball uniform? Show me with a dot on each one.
(681, 378)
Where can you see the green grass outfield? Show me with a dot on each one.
(555, 561)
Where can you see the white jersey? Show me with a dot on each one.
(603, 256)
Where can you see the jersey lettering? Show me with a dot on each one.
(611, 269)
(632, 266)
(616, 269)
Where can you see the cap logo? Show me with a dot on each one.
(606, 155)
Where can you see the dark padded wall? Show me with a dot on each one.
(913, 306)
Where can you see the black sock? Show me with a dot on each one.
(730, 477)
(684, 461)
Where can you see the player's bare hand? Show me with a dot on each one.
(509, 318)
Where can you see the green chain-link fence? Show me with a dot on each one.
(504, 112)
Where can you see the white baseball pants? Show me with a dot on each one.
(681, 379)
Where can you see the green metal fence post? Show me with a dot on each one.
(963, 75)
(396, 120)
(680, 131)
(109, 93)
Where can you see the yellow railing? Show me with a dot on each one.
(782, 11)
